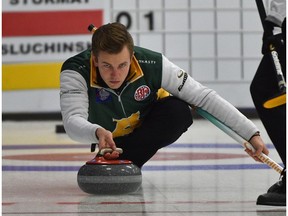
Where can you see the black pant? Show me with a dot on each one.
(168, 119)
(263, 87)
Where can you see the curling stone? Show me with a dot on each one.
(109, 176)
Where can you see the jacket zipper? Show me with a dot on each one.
(119, 97)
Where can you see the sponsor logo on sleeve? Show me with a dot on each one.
(181, 74)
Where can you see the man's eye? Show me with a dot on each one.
(106, 66)
(122, 65)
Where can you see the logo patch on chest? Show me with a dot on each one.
(142, 92)
(102, 96)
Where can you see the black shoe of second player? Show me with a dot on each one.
(276, 194)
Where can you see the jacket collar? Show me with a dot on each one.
(135, 72)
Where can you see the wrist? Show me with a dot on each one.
(97, 133)
(255, 134)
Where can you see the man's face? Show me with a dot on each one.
(113, 68)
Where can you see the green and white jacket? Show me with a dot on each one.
(86, 104)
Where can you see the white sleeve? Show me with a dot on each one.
(177, 82)
(277, 12)
(74, 105)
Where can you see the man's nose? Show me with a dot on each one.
(115, 71)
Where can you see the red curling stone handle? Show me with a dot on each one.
(100, 159)
(109, 150)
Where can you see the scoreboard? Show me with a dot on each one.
(218, 42)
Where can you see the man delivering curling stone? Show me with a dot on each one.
(109, 96)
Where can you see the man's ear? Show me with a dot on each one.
(95, 60)
(132, 57)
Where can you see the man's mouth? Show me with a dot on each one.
(114, 81)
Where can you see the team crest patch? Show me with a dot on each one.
(142, 92)
(102, 96)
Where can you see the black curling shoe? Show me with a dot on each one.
(276, 194)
